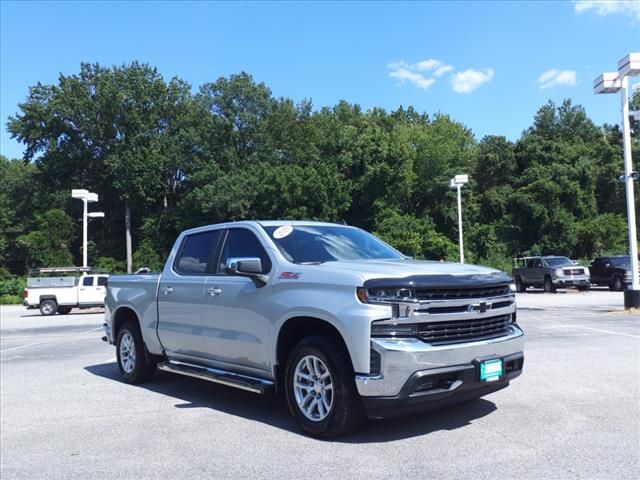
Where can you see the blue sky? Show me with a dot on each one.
(480, 62)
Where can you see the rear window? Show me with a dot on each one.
(195, 253)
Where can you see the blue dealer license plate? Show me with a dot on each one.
(490, 370)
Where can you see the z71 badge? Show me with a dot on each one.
(290, 275)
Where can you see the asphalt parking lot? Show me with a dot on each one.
(574, 413)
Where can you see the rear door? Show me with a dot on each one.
(89, 292)
(182, 301)
(537, 276)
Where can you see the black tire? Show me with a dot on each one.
(520, 287)
(616, 284)
(48, 307)
(346, 411)
(548, 285)
(64, 310)
(134, 369)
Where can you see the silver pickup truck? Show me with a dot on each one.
(338, 321)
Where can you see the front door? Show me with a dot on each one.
(236, 324)
(182, 300)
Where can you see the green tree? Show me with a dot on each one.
(48, 244)
(116, 131)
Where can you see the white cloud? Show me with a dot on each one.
(437, 66)
(555, 77)
(630, 8)
(410, 72)
(470, 79)
(417, 79)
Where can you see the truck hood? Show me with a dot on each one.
(373, 269)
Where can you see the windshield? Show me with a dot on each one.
(558, 262)
(624, 262)
(324, 243)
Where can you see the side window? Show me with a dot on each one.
(530, 263)
(195, 253)
(243, 243)
(87, 281)
(538, 263)
(102, 281)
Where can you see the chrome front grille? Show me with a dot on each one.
(461, 331)
(445, 293)
(574, 271)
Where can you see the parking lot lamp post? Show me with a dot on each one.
(86, 197)
(613, 82)
(457, 182)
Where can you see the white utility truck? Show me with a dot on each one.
(59, 289)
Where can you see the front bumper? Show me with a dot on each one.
(436, 388)
(406, 362)
(572, 281)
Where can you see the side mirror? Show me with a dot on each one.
(607, 265)
(246, 267)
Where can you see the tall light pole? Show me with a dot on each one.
(457, 182)
(613, 82)
(87, 197)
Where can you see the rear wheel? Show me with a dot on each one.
(520, 287)
(130, 352)
(548, 285)
(48, 307)
(320, 388)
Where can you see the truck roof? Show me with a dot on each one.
(541, 256)
(267, 223)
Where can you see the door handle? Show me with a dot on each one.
(213, 291)
(167, 290)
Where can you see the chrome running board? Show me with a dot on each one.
(243, 382)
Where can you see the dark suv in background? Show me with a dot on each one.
(615, 272)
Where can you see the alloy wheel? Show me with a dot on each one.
(313, 388)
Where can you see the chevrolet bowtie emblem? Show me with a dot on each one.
(481, 307)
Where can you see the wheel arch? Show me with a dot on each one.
(295, 329)
(121, 316)
(47, 297)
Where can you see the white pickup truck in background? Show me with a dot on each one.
(60, 289)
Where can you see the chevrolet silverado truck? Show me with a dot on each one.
(59, 289)
(339, 322)
(549, 272)
(615, 272)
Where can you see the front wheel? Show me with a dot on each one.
(320, 388)
(130, 353)
(48, 307)
(520, 287)
(548, 285)
(616, 285)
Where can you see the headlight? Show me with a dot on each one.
(558, 272)
(385, 295)
(512, 287)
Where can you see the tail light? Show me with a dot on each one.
(25, 293)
